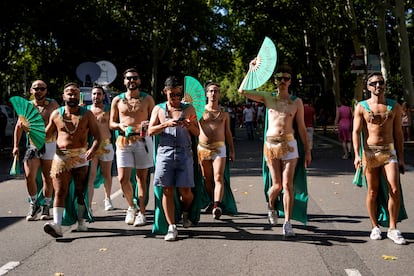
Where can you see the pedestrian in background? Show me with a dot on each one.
(343, 120)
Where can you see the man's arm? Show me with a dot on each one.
(114, 116)
(300, 121)
(399, 137)
(51, 127)
(94, 130)
(356, 133)
(229, 136)
(18, 130)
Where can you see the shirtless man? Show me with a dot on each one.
(281, 150)
(34, 158)
(73, 124)
(379, 119)
(215, 132)
(174, 122)
(105, 153)
(130, 112)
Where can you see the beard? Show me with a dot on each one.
(39, 97)
(72, 103)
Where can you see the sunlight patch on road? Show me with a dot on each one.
(8, 267)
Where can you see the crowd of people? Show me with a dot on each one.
(190, 155)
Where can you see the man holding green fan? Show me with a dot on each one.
(35, 159)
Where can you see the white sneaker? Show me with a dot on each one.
(172, 233)
(130, 216)
(217, 212)
(272, 217)
(140, 219)
(288, 230)
(375, 233)
(186, 221)
(53, 229)
(108, 204)
(396, 236)
(82, 227)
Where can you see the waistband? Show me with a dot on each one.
(280, 139)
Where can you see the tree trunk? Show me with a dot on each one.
(381, 10)
(405, 58)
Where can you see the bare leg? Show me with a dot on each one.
(142, 175)
(31, 167)
(168, 204)
(288, 196)
(124, 175)
(372, 176)
(106, 167)
(92, 176)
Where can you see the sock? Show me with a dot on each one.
(217, 204)
(33, 199)
(48, 200)
(58, 215)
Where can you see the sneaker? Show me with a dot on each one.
(396, 236)
(172, 233)
(82, 227)
(288, 230)
(34, 210)
(45, 213)
(209, 209)
(130, 216)
(108, 204)
(217, 213)
(53, 229)
(272, 217)
(186, 221)
(375, 233)
(140, 219)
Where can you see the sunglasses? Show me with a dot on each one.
(39, 88)
(374, 83)
(132, 78)
(179, 95)
(283, 78)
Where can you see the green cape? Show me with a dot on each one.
(160, 225)
(300, 188)
(382, 201)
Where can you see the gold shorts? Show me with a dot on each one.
(377, 156)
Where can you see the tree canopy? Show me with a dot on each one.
(209, 40)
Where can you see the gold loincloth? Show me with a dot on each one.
(101, 150)
(280, 146)
(207, 151)
(67, 160)
(122, 141)
(377, 156)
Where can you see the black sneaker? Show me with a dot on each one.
(34, 210)
(45, 213)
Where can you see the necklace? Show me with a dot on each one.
(41, 108)
(74, 122)
(211, 114)
(372, 117)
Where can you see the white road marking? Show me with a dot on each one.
(7, 267)
(352, 272)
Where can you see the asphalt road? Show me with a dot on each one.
(334, 242)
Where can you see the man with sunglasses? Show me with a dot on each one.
(175, 124)
(130, 112)
(381, 151)
(35, 159)
(285, 117)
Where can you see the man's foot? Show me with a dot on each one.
(272, 217)
(34, 210)
(130, 216)
(140, 219)
(53, 229)
(45, 213)
(396, 236)
(82, 227)
(108, 204)
(217, 213)
(172, 233)
(288, 230)
(186, 221)
(375, 234)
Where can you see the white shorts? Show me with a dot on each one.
(290, 154)
(136, 155)
(106, 157)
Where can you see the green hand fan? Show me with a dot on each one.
(263, 68)
(15, 168)
(194, 94)
(31, 119)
